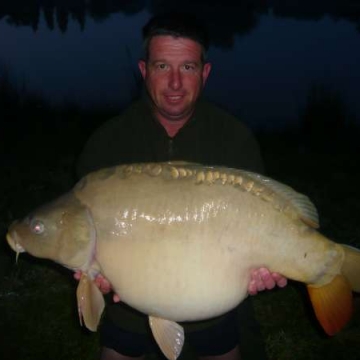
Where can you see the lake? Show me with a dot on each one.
(266, 55)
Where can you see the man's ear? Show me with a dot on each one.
(142, 67)
(206, 71)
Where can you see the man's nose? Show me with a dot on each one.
(175, 81)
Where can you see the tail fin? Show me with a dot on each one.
(351, 267)
(332, 302)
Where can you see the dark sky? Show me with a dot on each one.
(265, 77)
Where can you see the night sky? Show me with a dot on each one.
(264, 77)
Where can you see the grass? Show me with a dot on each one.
(37, 299)
(292, 332)
(39, 319)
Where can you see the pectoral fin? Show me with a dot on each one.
(332, 304)
(169, 336)
(90, 302)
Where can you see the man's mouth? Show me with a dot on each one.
(173, 98)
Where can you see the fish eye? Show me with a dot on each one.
(37, 227)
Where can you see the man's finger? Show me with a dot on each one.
(77, 275)
(103, 284)
(261, 277)
(267, 279)
(116, 298)
(280, 280)
(252, 289)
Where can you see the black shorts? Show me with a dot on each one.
(214, 340)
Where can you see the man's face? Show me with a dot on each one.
(174, 76)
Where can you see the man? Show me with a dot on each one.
(172, 123)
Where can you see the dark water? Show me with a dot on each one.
(266, 55)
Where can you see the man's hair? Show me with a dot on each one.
(178, 25)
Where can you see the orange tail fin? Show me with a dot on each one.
(332, 303)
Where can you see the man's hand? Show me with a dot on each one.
(262, 279)
(102, 283)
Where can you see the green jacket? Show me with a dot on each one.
(211, 137)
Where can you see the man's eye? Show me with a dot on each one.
(162, 66)
(189, 67)
(37, 226)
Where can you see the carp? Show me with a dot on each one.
(177, 241)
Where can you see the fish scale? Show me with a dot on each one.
(178, 241)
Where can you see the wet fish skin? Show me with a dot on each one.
(178, 241)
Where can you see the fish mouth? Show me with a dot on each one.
(14, 244)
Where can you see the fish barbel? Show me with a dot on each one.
(178, 242)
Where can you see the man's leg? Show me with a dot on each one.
(110, 354)
(217, 342)
(237, 336)
(119, 344)
(252, 344)
(233, 354)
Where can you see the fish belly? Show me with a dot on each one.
(180, 277)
